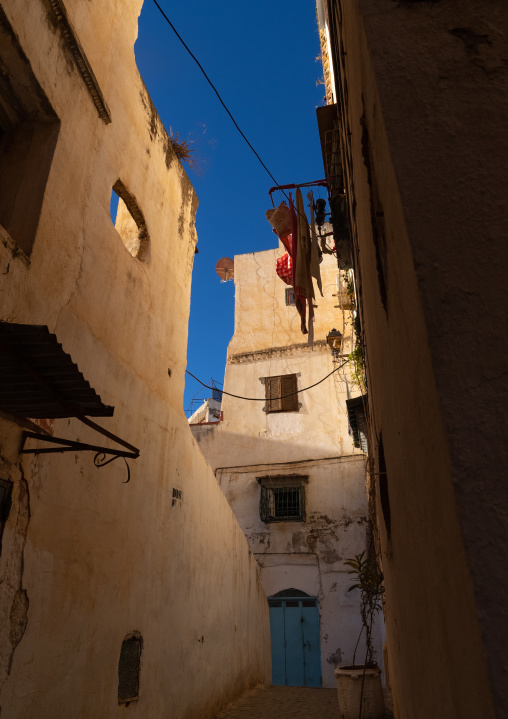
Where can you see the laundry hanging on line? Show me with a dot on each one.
(300, 263)
(284, 268)
(280, 220)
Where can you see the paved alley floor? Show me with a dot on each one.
(285, 703)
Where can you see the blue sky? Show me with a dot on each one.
(262, 59)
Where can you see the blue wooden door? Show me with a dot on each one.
(294, 629)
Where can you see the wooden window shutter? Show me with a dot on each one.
(288, 386)
(273, 392)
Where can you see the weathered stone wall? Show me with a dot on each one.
(423, 107)
(87, 560)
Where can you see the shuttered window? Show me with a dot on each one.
(277, 389)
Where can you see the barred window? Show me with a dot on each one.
(129, 668)
(280, 393)
(282, 499)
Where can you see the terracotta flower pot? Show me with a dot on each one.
(349, 688)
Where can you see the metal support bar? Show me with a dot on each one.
(70, 446)
(108, 434)
(293, 186)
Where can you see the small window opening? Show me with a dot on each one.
(282, 502)
(5, 505)
(383, 488)
(290, 296)
(129, 221)
(129, 668)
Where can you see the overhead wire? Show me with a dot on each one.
(213, 87)
(221, 100)
(263, 399)
(166, 18)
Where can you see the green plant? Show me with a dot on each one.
(358, 367)
(369, 580)
(348, 284)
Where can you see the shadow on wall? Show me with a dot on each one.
(225, 449)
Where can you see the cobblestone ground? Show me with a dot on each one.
(290, 703)
(285, 703)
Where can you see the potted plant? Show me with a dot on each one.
(359, 685)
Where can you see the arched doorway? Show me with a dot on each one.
(294, 630)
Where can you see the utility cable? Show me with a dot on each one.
(304, 217)
(263, 399)
(213, 87)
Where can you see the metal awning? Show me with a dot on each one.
(38, 380)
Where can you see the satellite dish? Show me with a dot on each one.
(225, 268)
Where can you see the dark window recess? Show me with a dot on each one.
(383, 488)
(377, 215)
(5, 505)
(308, 604)
(29, 130)
(292, 604)
(290, 296)
(128, 669)
(282, 503)
(356, 409)
(280, 393)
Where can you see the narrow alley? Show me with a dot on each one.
(285, 703)
(290, 703)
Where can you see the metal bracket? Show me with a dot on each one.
(66, 445)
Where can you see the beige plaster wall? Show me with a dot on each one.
(423, 88)
(85, 559)
(262, 319)
(313, 442)
(268, 342)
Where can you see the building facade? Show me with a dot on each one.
(142, 593)
(289, 468)
(418, 117)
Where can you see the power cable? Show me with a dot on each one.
(304, 217)
(263, 399)
(213, 87)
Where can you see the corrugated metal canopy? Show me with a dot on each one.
(39, 380)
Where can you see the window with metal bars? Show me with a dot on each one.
(282, 500)
(129, 668)
(280, 393)
(290, 296)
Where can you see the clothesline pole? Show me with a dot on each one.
(294, 187)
